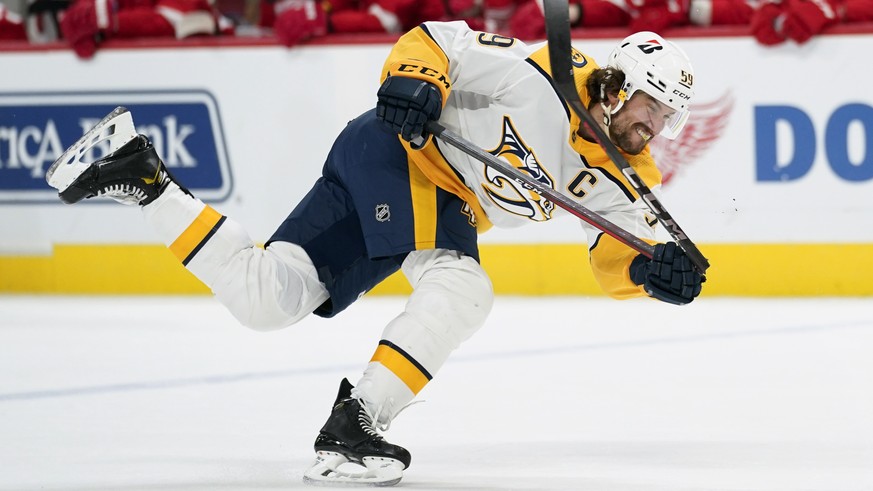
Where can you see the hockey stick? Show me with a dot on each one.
(528, 182)
(557, 15)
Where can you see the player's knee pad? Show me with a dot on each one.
(269, 289)
(263, 289)
(452, 295)
(451, 299)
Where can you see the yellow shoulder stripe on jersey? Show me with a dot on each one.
(582, 68)
(401, 364)
(610, 263)
(192, 239)
(417, 55)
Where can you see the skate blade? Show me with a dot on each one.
(376, 472)
(116, 128)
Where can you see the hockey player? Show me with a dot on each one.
(413, 203)
(296, 21)
(776, 21)
(87, 23)
(11, 26)
(528, 21)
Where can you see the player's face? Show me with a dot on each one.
(637, 122)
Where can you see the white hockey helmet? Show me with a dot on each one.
(660, 69)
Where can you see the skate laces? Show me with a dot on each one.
(369, 419)
(131, 194)
(127, 194)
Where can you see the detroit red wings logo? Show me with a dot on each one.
(704, 127)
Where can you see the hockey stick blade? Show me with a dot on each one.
(556, 197)
(557, 16)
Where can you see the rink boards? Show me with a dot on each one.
(772, 180)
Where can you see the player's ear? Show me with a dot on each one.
(611, 100)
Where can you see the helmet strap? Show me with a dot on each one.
(607, 115)
(607, 112)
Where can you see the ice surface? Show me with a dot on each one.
(570, 393)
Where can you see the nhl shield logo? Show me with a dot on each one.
(383, 213)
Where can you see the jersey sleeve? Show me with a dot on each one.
(610, 258)
(417, 55)
(454, 57)
(610, 263)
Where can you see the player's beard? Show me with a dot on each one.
(626, 137)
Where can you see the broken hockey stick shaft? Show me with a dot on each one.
(588, 216)
(561, 59)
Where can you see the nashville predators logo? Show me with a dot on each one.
(512, 196)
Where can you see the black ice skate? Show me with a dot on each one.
(130, 173)
(350, 436)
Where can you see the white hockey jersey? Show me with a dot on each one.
(498, 93)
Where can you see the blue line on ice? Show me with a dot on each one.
(245, 376)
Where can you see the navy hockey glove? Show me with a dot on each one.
(406, 105)
(668, 276)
